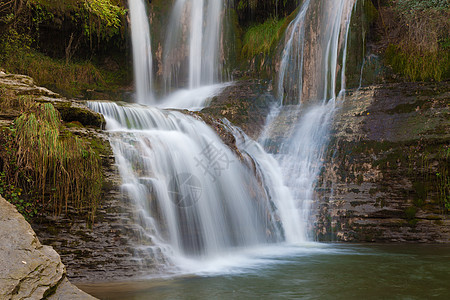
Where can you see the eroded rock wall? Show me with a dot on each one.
(385, 178)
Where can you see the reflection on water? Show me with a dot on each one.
(311, 271)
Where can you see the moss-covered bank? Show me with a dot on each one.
(45, 166)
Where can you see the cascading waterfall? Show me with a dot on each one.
(193, 38)
(292, 57)
(194, 195)
(315, 49)
(142, 51)
(301, 151)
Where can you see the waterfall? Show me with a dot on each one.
(292, 57)
(193, 38)
(315, 52)
(313, 58)
(142, 51)
(195, 196)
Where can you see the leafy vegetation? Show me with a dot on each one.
(43, 166)
(419, 39)
(261, 38)
(41, 38)
(68, 78)
(102, 18)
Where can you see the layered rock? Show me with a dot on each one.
(385, 178)
(29, 270)
(70, 110)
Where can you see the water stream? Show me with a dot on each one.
(195, 196)
(300, 152)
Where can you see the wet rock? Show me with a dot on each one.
(29, 270)
(384, 176)
(245, 104)
(102, 251)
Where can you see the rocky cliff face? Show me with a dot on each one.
(29, 270)
(386, 175)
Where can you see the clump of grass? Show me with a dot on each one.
(9, 101)
(443, 179)
(60, 168)
(260, 38)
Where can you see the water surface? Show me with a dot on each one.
(309, 271)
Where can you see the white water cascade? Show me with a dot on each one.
(142, 51)
(194, 196)
(193, 38)
(315, 97)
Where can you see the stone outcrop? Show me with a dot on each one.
(29, 270)
(385, 178)
(245, 104)
(70, 110)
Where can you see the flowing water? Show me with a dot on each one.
(193, 39)
(142, 51)
(300, 152)
(195, 197)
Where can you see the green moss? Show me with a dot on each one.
(417, 66)
(410, 214)
(74, 124)
(370, 11)
(421, 193)
(100, 146)
(82, 115)
(260, 38)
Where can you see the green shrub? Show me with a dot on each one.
(102, 18)
(413, 6)
(70, 79)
